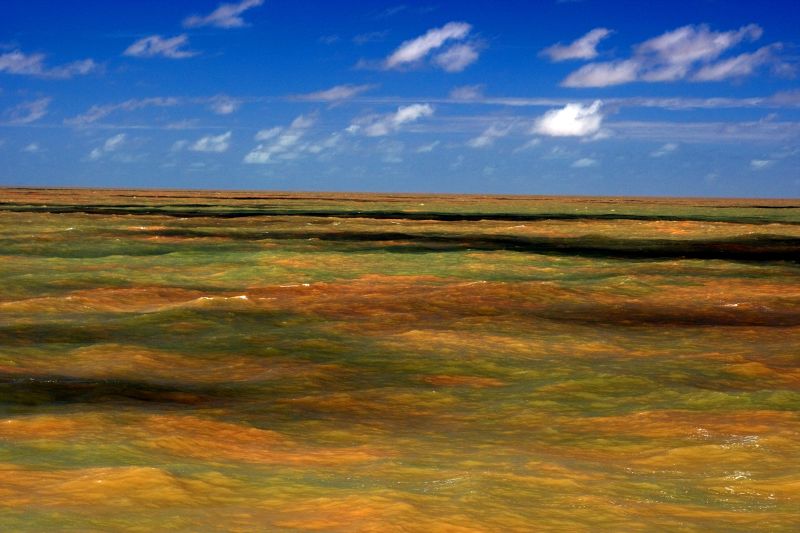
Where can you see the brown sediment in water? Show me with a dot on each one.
(113, 487)
(202, 361)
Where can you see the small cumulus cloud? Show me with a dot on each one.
(213, 143)
(583, 48)
(28, 112)
(225, 16)
(664, 149)
(457, 58)
(224, 105)
(454, 59)
(19, 63)
(380, 125)
(572, 120)
(32, 148)
(155, 45)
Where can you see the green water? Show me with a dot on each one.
(278, 362)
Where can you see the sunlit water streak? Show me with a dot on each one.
(241, 361)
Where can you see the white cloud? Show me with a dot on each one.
(213, 143)
(267, 134)
(155, 45)
(528, 145)
(28, 112)
(428, 148)
(416, 49)
(337, 93)
(177, 146)
(225, 16)
(457, 58)
(488, 136)
(665, 149)
(603, 74)
(380, 125)
(583, 48)
(391, 151)
(284, 143)
(96, 112)
(760, 164)
(572, 120)
(224, 105)
(17, 62)
(702, 132)
(329, 143)
(467, 92)
(32, 148)
(585, 162)
(740, 66)
(685, 52)
(112, 144)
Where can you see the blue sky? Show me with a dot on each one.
(550, 97)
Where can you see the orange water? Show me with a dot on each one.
(204, 361)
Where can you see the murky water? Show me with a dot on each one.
(240, 362)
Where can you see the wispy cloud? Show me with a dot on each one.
(489, 135)
(467, 93)
(225, 16)
(708, 132)
(370, 37)
(583, 48)
(337, 93)
(32, 148)
(688, 52)
(280, 142)
(213, 143)
(380, 125)
(112, 144)
(390, 151)
(97, 112)
(760, 164)
(585, 162)
(391, 11)
(454, 59)
(428, 148)
(155, 45)
(572, 120)
(740, 66)
(664, 149)
(19, 63)
(28, 112)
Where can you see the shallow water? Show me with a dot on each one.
(243, 361)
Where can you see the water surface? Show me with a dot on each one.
(202, 361)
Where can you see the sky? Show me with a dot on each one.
(677, 98)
